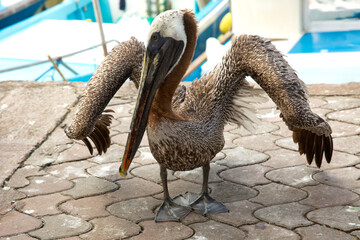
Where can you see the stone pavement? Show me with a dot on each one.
(51, 188)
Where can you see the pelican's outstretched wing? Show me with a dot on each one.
(257, 57)
(267, 66)
(91, 120)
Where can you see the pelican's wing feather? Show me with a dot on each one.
(260, 59)
(91, 120)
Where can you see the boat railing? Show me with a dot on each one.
(58, 59)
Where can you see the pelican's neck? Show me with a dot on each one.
(162, 101)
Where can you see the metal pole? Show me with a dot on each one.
(99, 20)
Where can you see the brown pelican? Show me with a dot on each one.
(185, 125)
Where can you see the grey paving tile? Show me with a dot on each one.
(297, 176)
(16, 223)
(216, 230)
(108, 228)
(319, 232)
(70, 226)
(265, 231)
(289, 215)
(163, 231)
(135, 210)
(347, 178)
(345, 218)
(248, 175)
(196, 175)
(85, 187)
(324, 196)
(240, 156)
(240, 213)
(274, 194)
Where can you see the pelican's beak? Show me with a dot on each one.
(161, 56)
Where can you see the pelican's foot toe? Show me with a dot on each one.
(205, 205)
(172, 211)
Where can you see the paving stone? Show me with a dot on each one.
(135, 210)
(316, 231)
(122, 138)
(45, 185)
(113, 154)
(345, 218)
(70, 170)
(85, 187)
(264, 127)
(340, 160)
(19, 237)
(341, 129)
(289, 215)
(163, 231)
(349, 116)
(249, 175)
(283, 130)
(151, 172)
(287, 143)
(111, 228)
(70, 226)
(24, 223)
(347, 144)
(240, 213)
(88, 207)
(262, 142)
(265, 231)
(240, 156)
(8, 198)
(120, 109)
(216, 230)
(74, 153)
(180, 187)
(109, 171)
(356, 233)
(322, 112)
(268, 115)
(316, 102)
(196, 175)
(281, 158)
(124, 126)
(134, 188)
(324, 196)
(342, 177)
(41, 205)
(340, 103)
(19, 178)
(218, 156)
(145, 157)
(274, 193)
(230, 192)
(229, 138)
(29, 112)
(297, 176)
(194, 217)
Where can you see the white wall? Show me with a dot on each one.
(268, 18)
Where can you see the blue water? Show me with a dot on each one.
(316, 42)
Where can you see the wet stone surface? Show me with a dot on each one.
(52, 188)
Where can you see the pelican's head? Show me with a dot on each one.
(165, 47)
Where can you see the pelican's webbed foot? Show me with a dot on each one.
(172, 210)
(204, 204)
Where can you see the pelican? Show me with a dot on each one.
(185, 125)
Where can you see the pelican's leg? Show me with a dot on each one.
(169, 209)
(205, 204)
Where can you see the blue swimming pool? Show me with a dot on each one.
(317, 42)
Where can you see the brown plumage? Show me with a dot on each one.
(185, 125)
